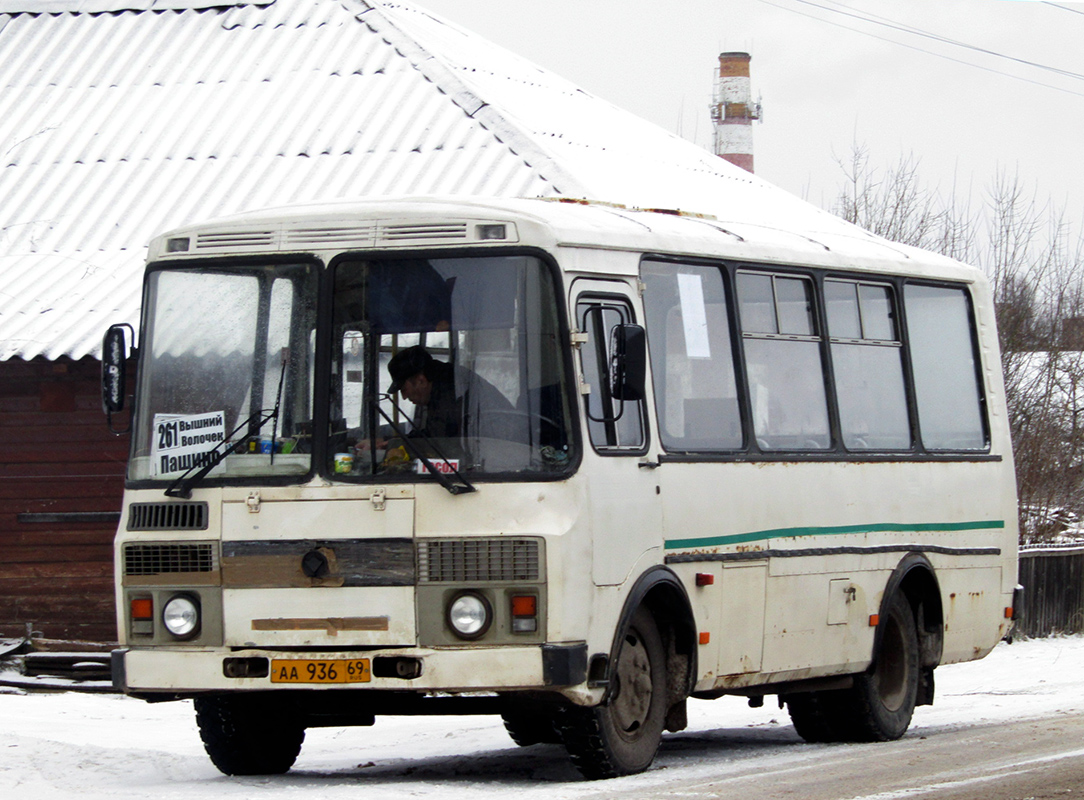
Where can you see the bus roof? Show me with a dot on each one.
(397, 223)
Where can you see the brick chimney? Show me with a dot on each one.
(733, 110)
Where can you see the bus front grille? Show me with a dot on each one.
(165, 558)
(167, 517)
(478, 560)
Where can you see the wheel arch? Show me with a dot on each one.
(663, 594)
(916, 579)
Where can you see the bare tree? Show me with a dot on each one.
(1037, 270)
(895, 205)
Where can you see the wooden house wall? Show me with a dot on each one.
(61, 481)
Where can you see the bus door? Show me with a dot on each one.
(705, 493)
(626, 520)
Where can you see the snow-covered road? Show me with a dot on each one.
(105, 746)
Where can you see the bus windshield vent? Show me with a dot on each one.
(476, 560)
(155, 559)
(358, 235)
(235, 239)
(416, 233)
(167, 517)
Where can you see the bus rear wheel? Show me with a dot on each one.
(245, 735)
(884, 697)
(820, 716)
(621, 736)
(879, 706)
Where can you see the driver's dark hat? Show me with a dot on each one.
(406, 364)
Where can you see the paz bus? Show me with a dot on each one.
(671, 458)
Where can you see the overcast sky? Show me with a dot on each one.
(943, 80)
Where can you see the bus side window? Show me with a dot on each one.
(783, 361)
(692, 357)
(945, 364)
(612, 423)
(867, 356)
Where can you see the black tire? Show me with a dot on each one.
(248, 735)
(527, 727)
(879, 706)
(819, 716)
(622, 736)
(884, 697)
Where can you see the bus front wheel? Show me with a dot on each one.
(530, 726)
(621, 736)
(245, 735)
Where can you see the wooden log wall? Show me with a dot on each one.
(61, 481)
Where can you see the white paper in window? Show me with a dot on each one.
(182, 441)
(694, 316)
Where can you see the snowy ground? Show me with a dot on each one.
(105, 746)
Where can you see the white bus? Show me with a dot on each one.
(568, 463)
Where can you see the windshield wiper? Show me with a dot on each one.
(182, 487)
(463, 487)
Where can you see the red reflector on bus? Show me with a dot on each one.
(874, 620)
(704, 579)
(705, 637)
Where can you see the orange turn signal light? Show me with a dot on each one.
(142, 608)
(874, 620)
(705, 637)
(524, 605)
(1008, 612)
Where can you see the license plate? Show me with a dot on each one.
(303, 670)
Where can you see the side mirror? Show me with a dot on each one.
(628, 347)
(114, 356)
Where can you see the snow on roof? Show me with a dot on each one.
(123, 118)
(100, 6)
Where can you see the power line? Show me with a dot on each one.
(1063, 8)
(923, 49)
(903, 27)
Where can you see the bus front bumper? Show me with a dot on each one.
(184, 671)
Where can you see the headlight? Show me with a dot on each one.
(469, 615)
(181, 616)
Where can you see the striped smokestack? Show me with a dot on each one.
(734, 111)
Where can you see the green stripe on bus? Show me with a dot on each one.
(885, 527)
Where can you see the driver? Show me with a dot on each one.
(431, 386)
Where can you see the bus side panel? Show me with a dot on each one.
(973, 602)
(831, 535)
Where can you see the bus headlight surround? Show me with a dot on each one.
(181, 616)
(469, 615)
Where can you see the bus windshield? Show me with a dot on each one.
(454, 361)
(227, 366)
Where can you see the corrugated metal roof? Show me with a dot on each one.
(118, 125)
(94, 6)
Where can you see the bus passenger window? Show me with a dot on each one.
(783, 361)
(613, 424)
(867, 360)
(692, 357)
(945, 366)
